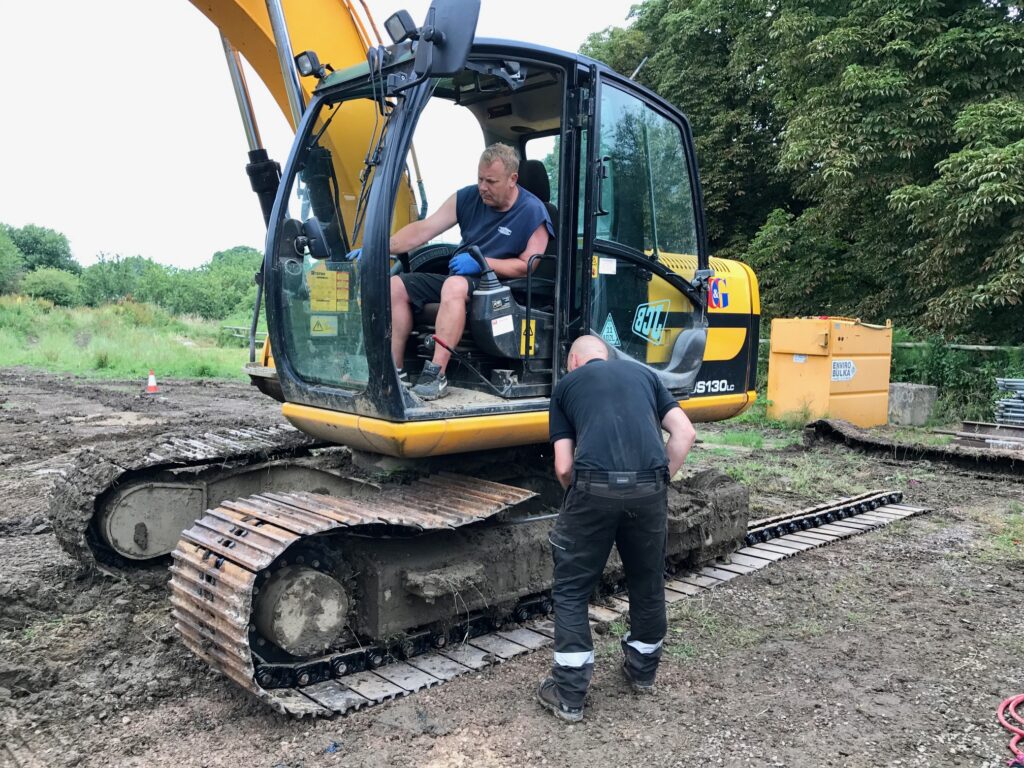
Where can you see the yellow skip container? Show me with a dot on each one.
(832, 367)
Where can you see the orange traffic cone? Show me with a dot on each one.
(151, 387)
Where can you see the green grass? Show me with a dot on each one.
(697, 631)
(114, 341)
(1004, 542)
(715, 450)
(919, 435)
(810, 474)
(1009, 539)
(745, 439)
(757, 415)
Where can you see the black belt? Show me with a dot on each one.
(620, 479)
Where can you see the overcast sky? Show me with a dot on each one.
(120, 128)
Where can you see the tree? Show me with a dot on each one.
(12, 264)
(42, 247)
(970, 222)
(872, 92)
(867, 151)
(709, 58)
(113, 278)
(56, 285)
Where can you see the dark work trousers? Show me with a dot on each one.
(593, 517)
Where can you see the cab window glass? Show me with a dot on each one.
(637, 312)
(445, 151)
(647, 187)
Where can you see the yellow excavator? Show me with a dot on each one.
(296, 563)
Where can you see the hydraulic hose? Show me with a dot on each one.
(1007, 711)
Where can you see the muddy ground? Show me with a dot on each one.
(890, 649)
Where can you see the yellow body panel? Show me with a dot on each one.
(434, 437)
(331, 28)
(830, 366)
(723, 343)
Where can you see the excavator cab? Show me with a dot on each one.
(614, 164)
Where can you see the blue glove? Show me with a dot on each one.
(463, 264)
(354, 255)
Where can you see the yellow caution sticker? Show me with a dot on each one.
(329, 290)
(533, 338)
(323, 325)
(594, 269)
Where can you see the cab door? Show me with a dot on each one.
(644, 238)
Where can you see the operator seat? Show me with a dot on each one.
(533, 177)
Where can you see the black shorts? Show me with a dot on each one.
(425, 288)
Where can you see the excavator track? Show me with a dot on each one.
(223, 560)
(87, 481)
(219, 560)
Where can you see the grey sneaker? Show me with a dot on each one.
(432, 384)
(638, 686)
(547, 695)
(403, 378)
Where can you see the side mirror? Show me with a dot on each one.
(446, 37)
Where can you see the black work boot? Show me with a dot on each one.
(640, 668)
(547, 695)
(637, 685)
(432, 383)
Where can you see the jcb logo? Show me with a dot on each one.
(649, 321)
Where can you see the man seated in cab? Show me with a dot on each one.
(509, 225)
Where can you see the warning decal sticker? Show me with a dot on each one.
(328, 291)
(502, 325)
(610, 333)
(323, 325)
(843, 370)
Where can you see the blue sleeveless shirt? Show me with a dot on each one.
(499, 235)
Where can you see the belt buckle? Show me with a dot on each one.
(622, 480)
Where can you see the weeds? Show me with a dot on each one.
(1010, 540)
(117, 341)
(809, 474)
(757, 415)
(1005, 524)
(695, 631)
(920, 436)
(743, 439)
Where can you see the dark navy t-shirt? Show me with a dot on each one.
(612, 409)
(499, 235)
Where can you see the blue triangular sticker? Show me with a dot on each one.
(609, 333)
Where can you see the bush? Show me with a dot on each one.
(965, 379)
(57, 285)
(113, 278)
(12, 263)
(142, 315)
(20, 315)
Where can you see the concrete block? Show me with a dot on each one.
(911, 404)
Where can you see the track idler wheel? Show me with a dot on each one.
(301, 610)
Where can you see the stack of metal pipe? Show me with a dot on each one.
(1010, 410)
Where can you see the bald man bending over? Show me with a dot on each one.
(605, 422)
